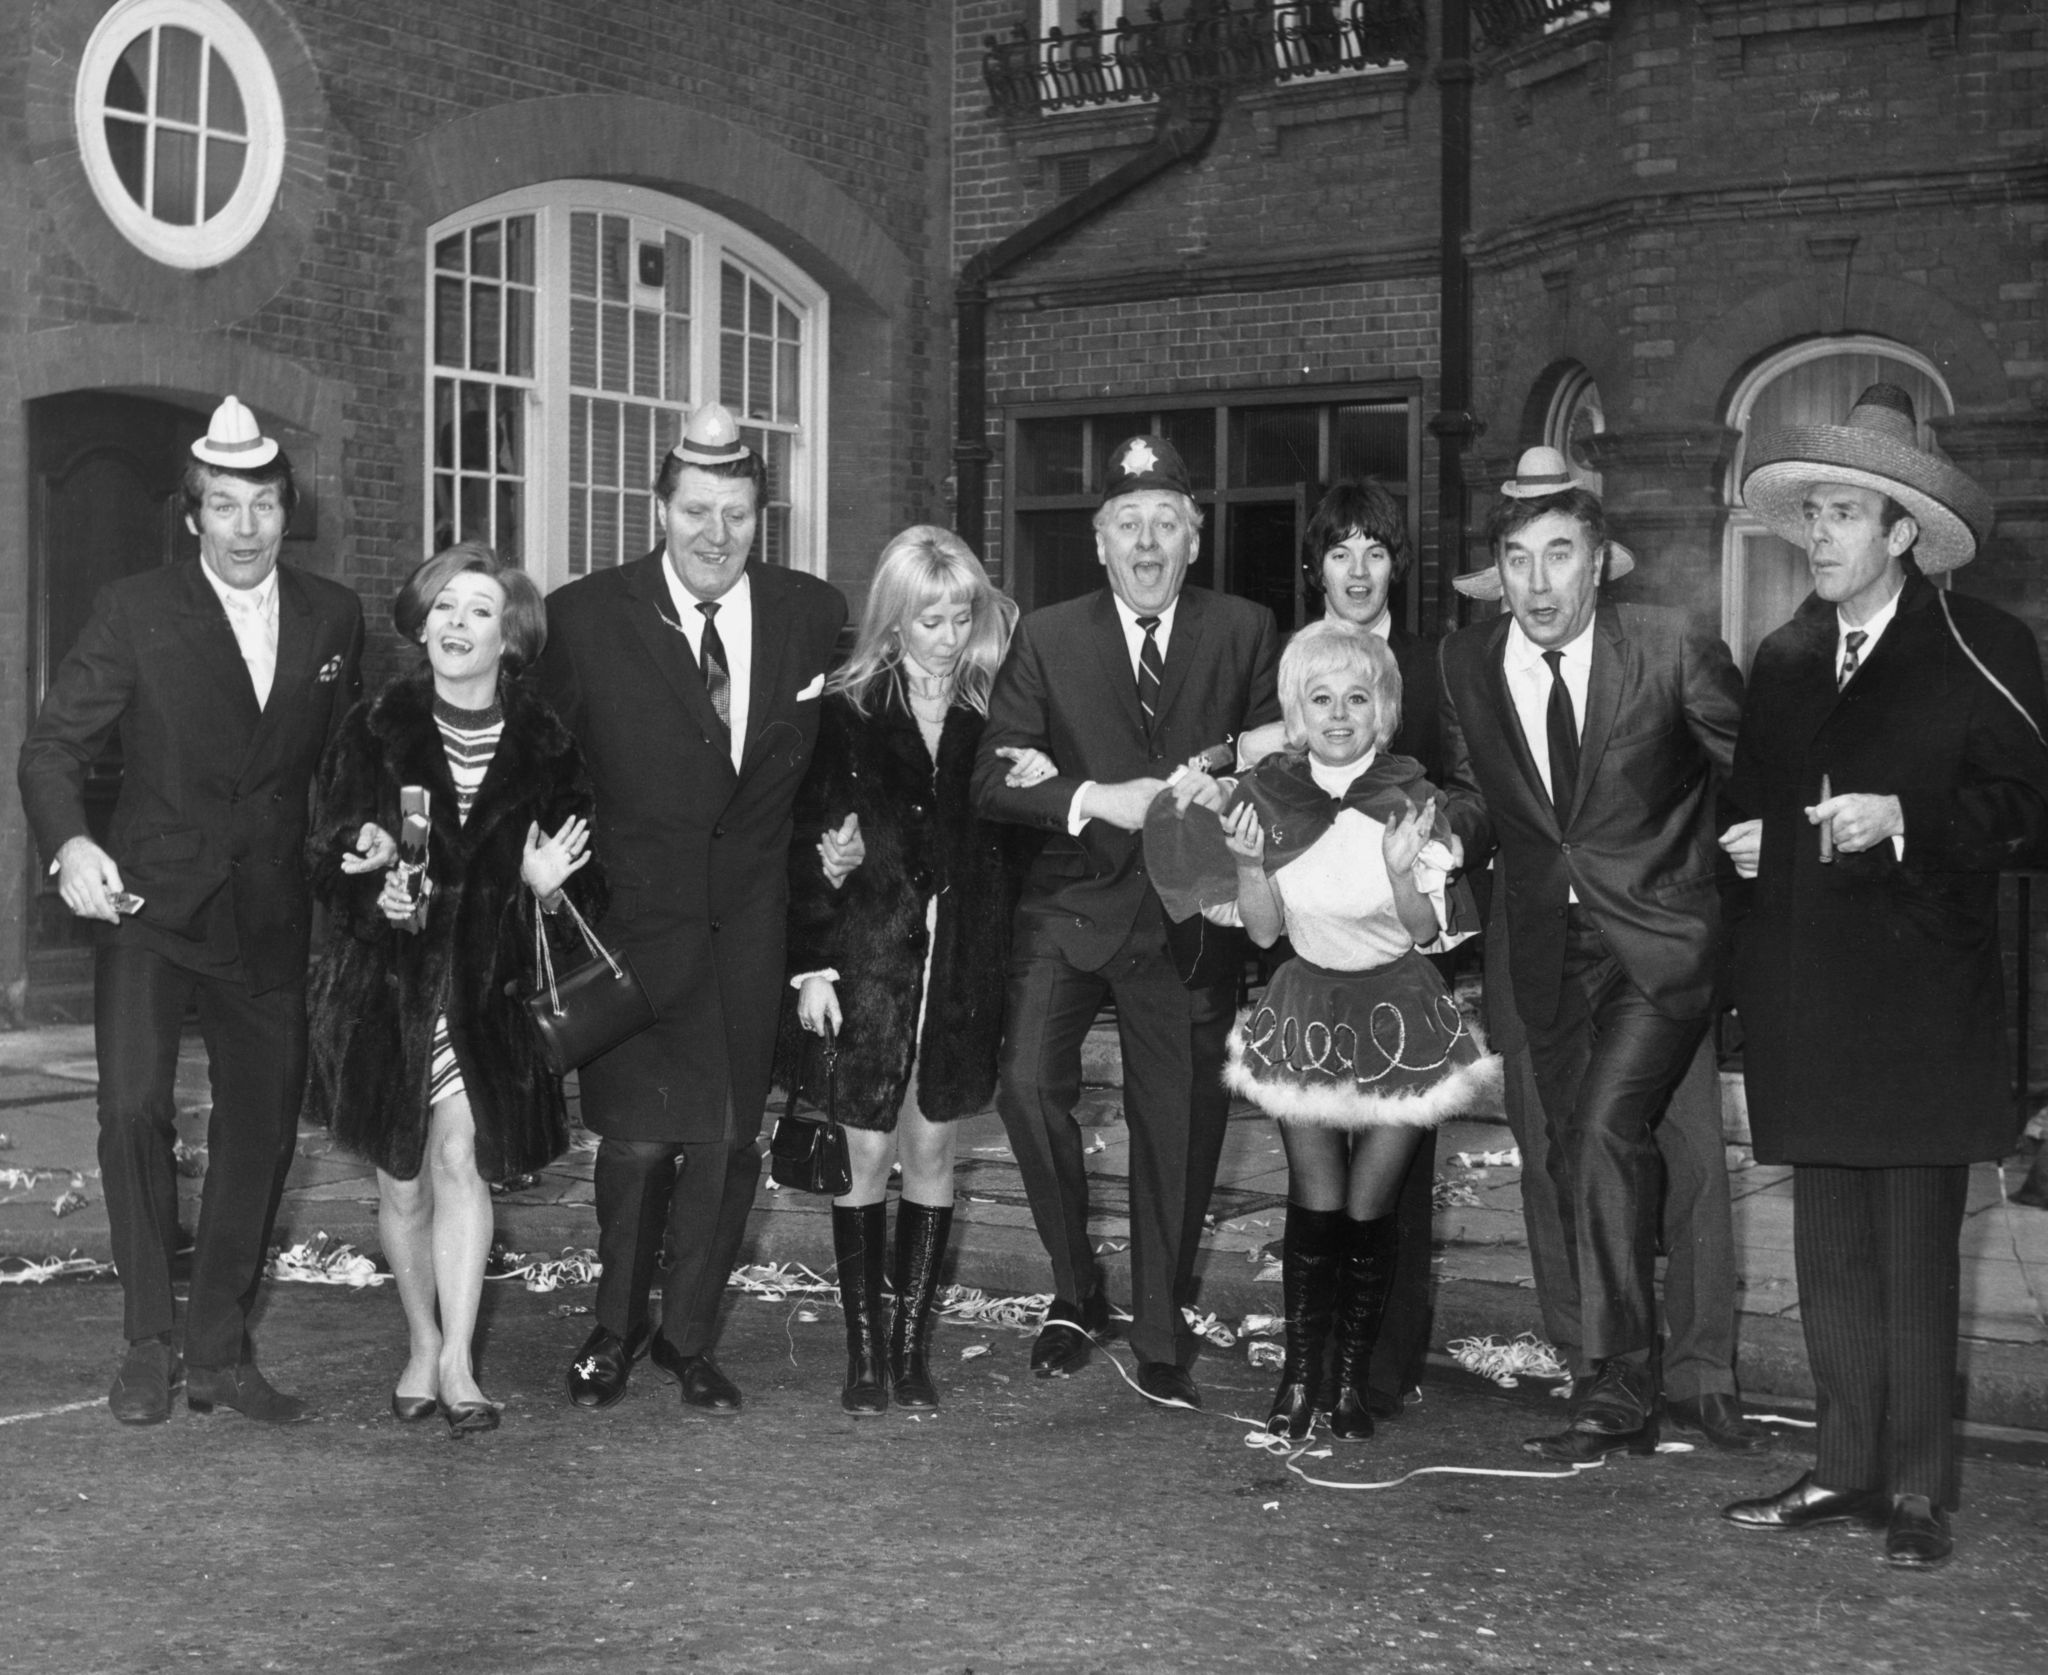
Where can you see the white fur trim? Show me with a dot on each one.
(1469, 1087)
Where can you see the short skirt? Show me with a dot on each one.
(444, 1078)
(1360, 1049)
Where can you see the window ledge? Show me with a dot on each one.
(1733, 24)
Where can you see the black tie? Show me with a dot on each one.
(1563, 729)
(1150, 667)
(716, 680)
(1853, 659)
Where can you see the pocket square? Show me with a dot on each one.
(815, 690)
(329, 671)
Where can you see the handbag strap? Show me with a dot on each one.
(544, 959)
(792, 1093)
(1998, 685)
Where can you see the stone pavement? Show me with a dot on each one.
(47, 1078)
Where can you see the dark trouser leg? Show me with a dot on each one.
(1921, 1224)
(1841, 1307)
(138, 1007)
(256, 1054)
(1050, 1007)
(1176, 1109)
(1699, 1236)
(633, 1182)
(1404, 1331)
(707, 1223)
(1606, 1065)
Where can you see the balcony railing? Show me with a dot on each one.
(1212, 47)
(1507, 23)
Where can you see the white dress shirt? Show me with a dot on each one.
(1134, 643)
(1529, 683)
(735, 633)
(1872, 631)
(252, 614)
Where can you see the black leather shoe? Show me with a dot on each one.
(245, 1390)
(471, 1419)
(1614, 1415)
(1805, 1504)
(1384, 1404)
(1069, 1335)
(410, 1410)
(597, 1377)
(1916, 1536)
(141, 1391)
(1168, 1384)
(1718, 1418)
(704, 1386)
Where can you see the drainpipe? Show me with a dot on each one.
(1180, 138)
(1453, 424)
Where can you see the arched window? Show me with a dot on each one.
(1763, 578)
(1576, 416)
(180, 128)
(573, 325)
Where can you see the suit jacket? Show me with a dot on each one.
(696, 854)
(215, 793)
(1420, 735)
(1871, 987)
(1662, 706)
(1067, 688)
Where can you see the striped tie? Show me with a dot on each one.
(1851, 659)
(716, 680)
(1150, 667)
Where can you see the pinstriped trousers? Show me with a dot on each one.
(1879, 1273)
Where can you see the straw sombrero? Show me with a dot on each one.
(1539, 472)
(1876, 447)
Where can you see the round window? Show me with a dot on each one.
(181, 128)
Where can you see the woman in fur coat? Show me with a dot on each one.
(905, 960)
(424, 1061)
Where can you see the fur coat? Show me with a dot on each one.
(923, 838)
(376, 989)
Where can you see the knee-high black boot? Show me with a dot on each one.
(921, 1231)
(1368, 1275)
(1311, 1249)
(859, 1233)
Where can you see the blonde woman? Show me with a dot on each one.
(906, 958)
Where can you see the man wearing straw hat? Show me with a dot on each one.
(1581, 740)
(691, 681)
(225, 678)
(1890, 763)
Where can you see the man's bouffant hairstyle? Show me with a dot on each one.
(199, 475)
(525, 623)
(1510, 515)
(1349, 510)
(752, 469)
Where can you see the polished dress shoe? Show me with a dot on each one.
(410, 1410)
(245, 1390)
(1069, 1335)
(1614, 1415)
(704, 1386)
(1385, 1404)
(1168, 1384)
(1718, 1418)
(1916, 1535)
(1805, 1504)
(141, 1391)
(597, 1377)
(471, 1419)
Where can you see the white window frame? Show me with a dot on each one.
(1744, 528)
(241, 218)
(713, 239)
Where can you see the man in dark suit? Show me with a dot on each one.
(1581, 739)
(1890, 765)
(691, 681)
(226, 678)
(1119, 688)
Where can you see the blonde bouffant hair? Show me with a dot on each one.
(1335, 647)
(922, 567)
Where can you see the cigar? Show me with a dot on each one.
(1827, 831)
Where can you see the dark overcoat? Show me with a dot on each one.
(377, 989)
(923, 840)
(1870, 987)
(696, 854)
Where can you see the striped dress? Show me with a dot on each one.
(470, 739)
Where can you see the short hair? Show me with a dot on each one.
(1509, 516)
(752, 468)
(921, 567)
(1188, 509)
(1353, 509)
(525, 622)
(1333, 647)
(200, 474)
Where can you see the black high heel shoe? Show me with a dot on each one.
(410, 1410)
(470, 1419)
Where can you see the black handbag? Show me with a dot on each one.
(807, 1151)
(589, 1008)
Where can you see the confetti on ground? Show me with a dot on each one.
(1269, 1356)
(1511, 1158)
(546, 1273)
(1209, 1327)
(188, 1160)
(974, 1351)
(323, 1261)
(970, 1307)
(1099, 1145)
(1261, 1326)
(1507, 1363)
(567, 1311)
(772, 1282)
(1447, 1194)
(6, 1143)
(70, 1202)
(26, 1180)
(993, 1151)
(34, 1272)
